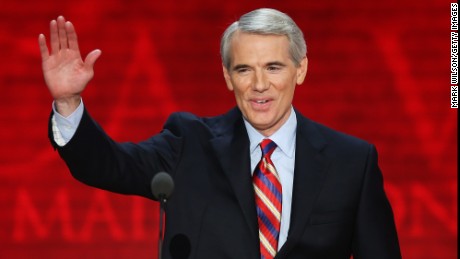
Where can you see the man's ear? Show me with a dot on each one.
(228, 81)
(302, 70)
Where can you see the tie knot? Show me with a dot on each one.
(267, 146)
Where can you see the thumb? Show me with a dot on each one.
(92, 57)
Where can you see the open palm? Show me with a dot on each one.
(66, 74)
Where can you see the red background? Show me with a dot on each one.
(379, 70)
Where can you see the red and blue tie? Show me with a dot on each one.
(267, 188)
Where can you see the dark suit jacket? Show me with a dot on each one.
(339, 206)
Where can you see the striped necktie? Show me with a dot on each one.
(267, 189)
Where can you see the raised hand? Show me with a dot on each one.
(66, 74)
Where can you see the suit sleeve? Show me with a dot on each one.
(375, 234)
(127, 168)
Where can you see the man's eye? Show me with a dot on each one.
(273, 68)
(242, 70)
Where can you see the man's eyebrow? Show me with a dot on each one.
(275, 63)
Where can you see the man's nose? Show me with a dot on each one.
(260, 82)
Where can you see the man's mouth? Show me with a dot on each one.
(261, 101)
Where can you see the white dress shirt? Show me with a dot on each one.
(65, 127)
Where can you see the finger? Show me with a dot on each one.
(62, 33)
(72, 36)
(54, 37)
(91, 58)
(43, 48)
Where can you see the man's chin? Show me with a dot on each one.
(262, 126)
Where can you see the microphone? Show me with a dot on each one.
(162, 186)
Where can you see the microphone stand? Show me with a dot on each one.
(160, 238)
(162, 185)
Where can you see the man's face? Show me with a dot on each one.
(263, 78)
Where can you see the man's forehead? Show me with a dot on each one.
(269, 47)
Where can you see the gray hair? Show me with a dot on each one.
(266, 21)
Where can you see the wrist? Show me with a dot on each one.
(67, 106)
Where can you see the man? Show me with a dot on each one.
(260, 181)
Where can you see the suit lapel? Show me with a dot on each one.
(309, 175)
(231, 147)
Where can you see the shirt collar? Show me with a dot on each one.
(284, 137)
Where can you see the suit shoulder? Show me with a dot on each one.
(339, 136)
(322, 135)
(343, 146)
(189, 122)
(187, 118)
(178, 122)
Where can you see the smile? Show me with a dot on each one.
(261, 105)
(262, 101)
